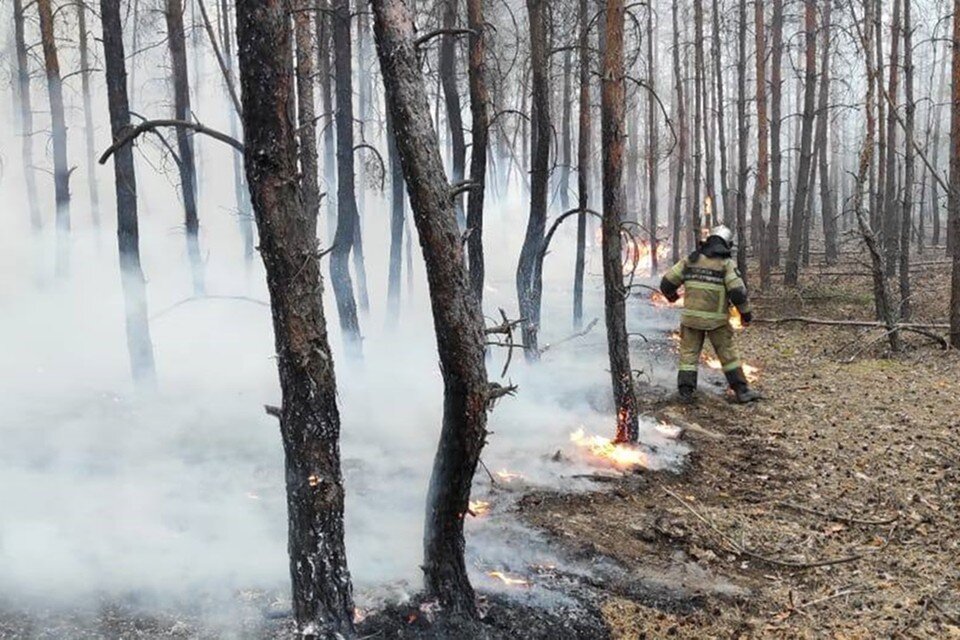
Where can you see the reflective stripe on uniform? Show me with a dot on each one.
(688, 367)
(731, 366)
(708, 286)
(708, 315)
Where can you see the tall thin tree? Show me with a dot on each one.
(26, 116)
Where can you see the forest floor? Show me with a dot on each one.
(828, 510)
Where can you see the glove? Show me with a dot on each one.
(746, 318)
(672, 297)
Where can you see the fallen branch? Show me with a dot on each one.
(572, 337)
(150, 125)
(739, 550)
(837, 518)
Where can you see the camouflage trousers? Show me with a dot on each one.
(691, 344)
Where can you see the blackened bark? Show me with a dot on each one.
(800, 201)
(772, 245)
(306, 112)
(529, 282)
(58, 125)
(26, 117)
(583, 162)
(187, 165)
(480, 122)
(451, 93)
(743, 128)
(761, 192)
(347, 216)
(457, 316)
(85, 72)
(613, 107)
(891, 208)
(682, 145)
(721, 128)
(909, 170)
(823, 120)
(139, 346)
(310, 421)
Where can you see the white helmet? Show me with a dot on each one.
(723, 232)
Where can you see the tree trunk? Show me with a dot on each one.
(306, 112)
(309, 421)
(397, 215)
(876, 203)
(529, 280)
(953, 208)
(346, 192)
(457, 315)
(583, 163)
(566, 136)
(772, 252)
(721, 128)
(85, 72)
(58, 125)
(682, 144)
(182, 111)
(938, 120)
(613, 107)
(909, 170)
(806, 135)
(823, 120)
(696, 204)
(139, 346)
(891, 208)
(480, 122)
(743, 129)
(761, 192)
(705, 120)
(325, 72)
(26, 117)
(451, 94)
(652, 147)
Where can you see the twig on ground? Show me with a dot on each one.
(838, 518)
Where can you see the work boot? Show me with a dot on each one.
(741, 389)
(687, 387)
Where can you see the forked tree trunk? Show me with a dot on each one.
(612, 109)
(583, 161)
(26, 117)
(682, 145)
(347, 214)
(85, 72)
(954, 195)
(457, 316)
(743, 128)
(823, 120)
(529, 280)
(909, 170)
(891, 208)
(806, 134)
(139, 346)
(761, 192)
(306, 112)
(721, 128)
(181, 108)
(480, 123)
(58, 126)
(309, 421)
(772, 245)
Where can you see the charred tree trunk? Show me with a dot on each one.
(139, 346)
(306, 112)
(565, 130)
(480, 123)
(529, 280)
(583, 163)
(909, 170)
(85, 72)
(823, 121)
(181, 107)
(652, 147)
(347, 214)
(613, 107)
(761, 192)
(891, 208)
(800, 201)
(721, 128)
(58, 125)
(743, 129)
(953, 208)
(309, 420)
(457, 315)
(451, 94)
(26, 117)
(772, 245)
(682, 145)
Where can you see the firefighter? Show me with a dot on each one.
(711, 283)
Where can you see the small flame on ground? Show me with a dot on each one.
(508, 476)
(623, 456)
(479, 508)
(510, 581)
(359, 615)
(751, 372)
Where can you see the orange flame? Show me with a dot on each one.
(508, 580)
(751, 372)
(479, 508)
(736, 322)
(623, 456)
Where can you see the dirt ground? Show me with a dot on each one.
(829, 510)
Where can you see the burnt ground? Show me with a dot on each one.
(829, 510)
